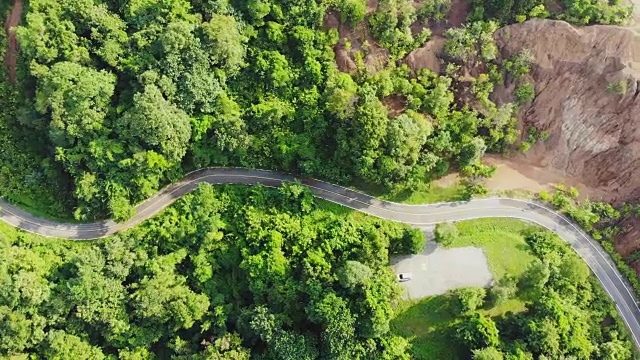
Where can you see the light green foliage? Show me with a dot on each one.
(434, 9)
(446, 233)
(617, 87)
(482, 87)
(155, 124)
(598, 219)
(223, 36)
(560, 311)
(176, 85)
(391, 25)
(468, 299)
(489, 353)
(614, 349)
(244, 271)
(352, 11)
(60, 345)
(519, 64)
(580, 12)
(77, 100)
(472, 42)
(534, 135)
(524, 93)
(584, 12)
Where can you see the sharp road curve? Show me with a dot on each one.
(416, 215)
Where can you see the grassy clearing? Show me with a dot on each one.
(424, 193)
(428, 322)
(502, 240)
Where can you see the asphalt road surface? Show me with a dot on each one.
(416, 215)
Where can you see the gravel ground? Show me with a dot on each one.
(437, 270)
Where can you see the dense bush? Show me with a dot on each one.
(567, 314)
(524, 93)
(598, 219)
(446, 233)
(468, 299)
(580, 12)
(125, 98)
(226, 273)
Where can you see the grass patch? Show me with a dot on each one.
(40, 210)
(502, 241)
(427, 323)
(423, 193)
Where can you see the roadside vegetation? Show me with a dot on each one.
(600, 220)
(543, 304)
(226, 273)
(115, 99)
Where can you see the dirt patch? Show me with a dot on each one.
(427, 56)
(448, 180)
(395, 104)
(353, 40)
(458, 12)
(11, 58)
(512, 174)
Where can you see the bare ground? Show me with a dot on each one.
(375, 56)
(11, 58)
(512, 174)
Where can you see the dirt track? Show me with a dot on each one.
(11, 58)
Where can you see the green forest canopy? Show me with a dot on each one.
(116, 98)
(234, 272)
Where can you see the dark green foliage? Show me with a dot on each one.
(579, 12)
(505, 289)
(412, 242)
(477, 331)
(445, 233)
(524, 93)
(468, 299)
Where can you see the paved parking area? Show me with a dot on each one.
(437, 270)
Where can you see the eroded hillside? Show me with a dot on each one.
(587, 85)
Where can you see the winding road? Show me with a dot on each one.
(416, 215)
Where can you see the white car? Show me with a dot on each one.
(402, 277)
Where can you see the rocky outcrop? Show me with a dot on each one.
(595, 131)
(427, 56)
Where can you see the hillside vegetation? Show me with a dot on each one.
(116, 98)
